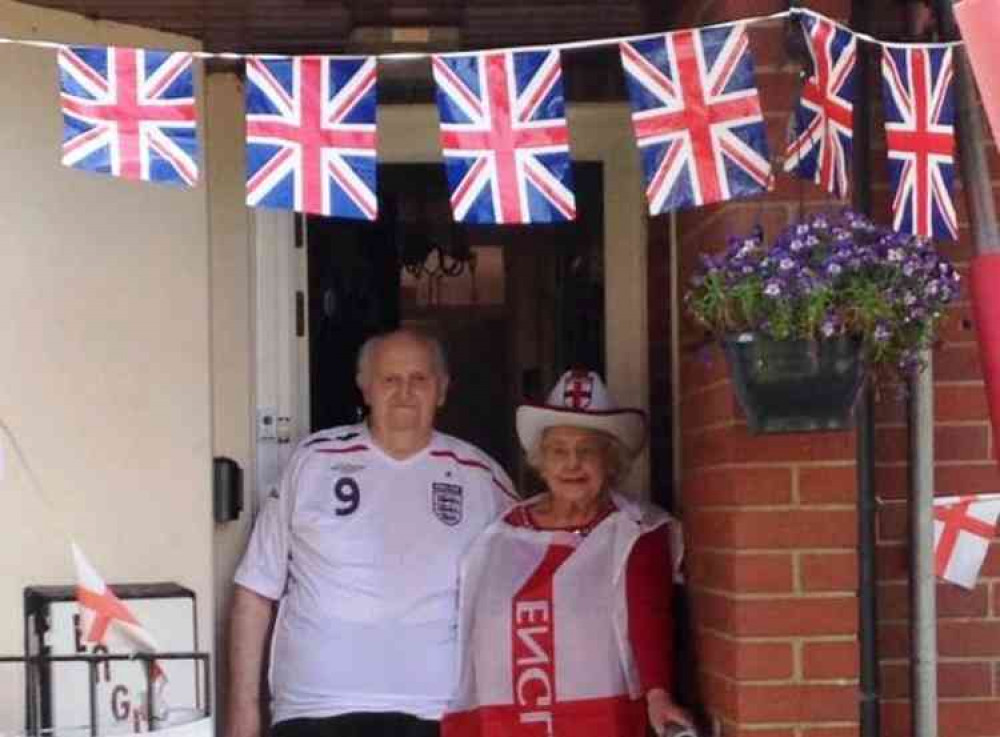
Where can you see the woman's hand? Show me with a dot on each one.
(663, 711)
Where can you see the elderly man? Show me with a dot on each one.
(361, 547)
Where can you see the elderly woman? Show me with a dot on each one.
(564, 609)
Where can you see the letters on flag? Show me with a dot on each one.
(311, 135)
(919, 127)
(697, 118)
(820, 149)
(504, 136)
(963, 528)
(129, 113)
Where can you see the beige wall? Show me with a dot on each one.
(104, 350)
(232, 317)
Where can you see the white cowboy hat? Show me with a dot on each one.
(580, 399)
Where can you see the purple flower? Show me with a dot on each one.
(909, 362)
(827, 276)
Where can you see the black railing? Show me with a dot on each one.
(32, 664)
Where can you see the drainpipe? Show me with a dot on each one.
(923, 605)
(979, 195)
(865, 454)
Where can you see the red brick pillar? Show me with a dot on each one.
(771, 527)
(771, 520)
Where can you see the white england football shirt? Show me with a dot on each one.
(362, 550)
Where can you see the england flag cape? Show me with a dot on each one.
(543, 632)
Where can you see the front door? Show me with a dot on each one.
(515, 306)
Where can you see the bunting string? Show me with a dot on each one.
(566, 46)
(311, 133)
(57, 516)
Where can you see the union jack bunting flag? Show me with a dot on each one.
(919, 127)
(820, 147)
(696, 116)
(504, 137)
(129, 113)
(311, 135)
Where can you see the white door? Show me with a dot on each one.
(282, 344)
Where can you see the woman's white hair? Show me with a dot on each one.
(438, 359)
(617, 461)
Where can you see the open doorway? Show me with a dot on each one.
(514, 306)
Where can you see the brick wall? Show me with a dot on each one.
(968, 621)
(771, 520)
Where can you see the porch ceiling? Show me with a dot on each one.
(337, 26)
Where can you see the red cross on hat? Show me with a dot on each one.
(578, 390)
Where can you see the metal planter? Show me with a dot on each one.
(795, 385)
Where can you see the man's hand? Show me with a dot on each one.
(663, 711)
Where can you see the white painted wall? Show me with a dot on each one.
(232, 324)
(104, 352)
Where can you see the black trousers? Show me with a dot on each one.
(359, 724)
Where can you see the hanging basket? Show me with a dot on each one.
(795, 385)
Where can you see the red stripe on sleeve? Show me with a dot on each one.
(348, 449)
(649, 588)
(474, 464)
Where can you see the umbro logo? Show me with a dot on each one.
(347, 469)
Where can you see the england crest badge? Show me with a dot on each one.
(446, 502)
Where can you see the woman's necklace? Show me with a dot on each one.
(581, 530)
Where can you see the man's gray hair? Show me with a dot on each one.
(438, 358)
